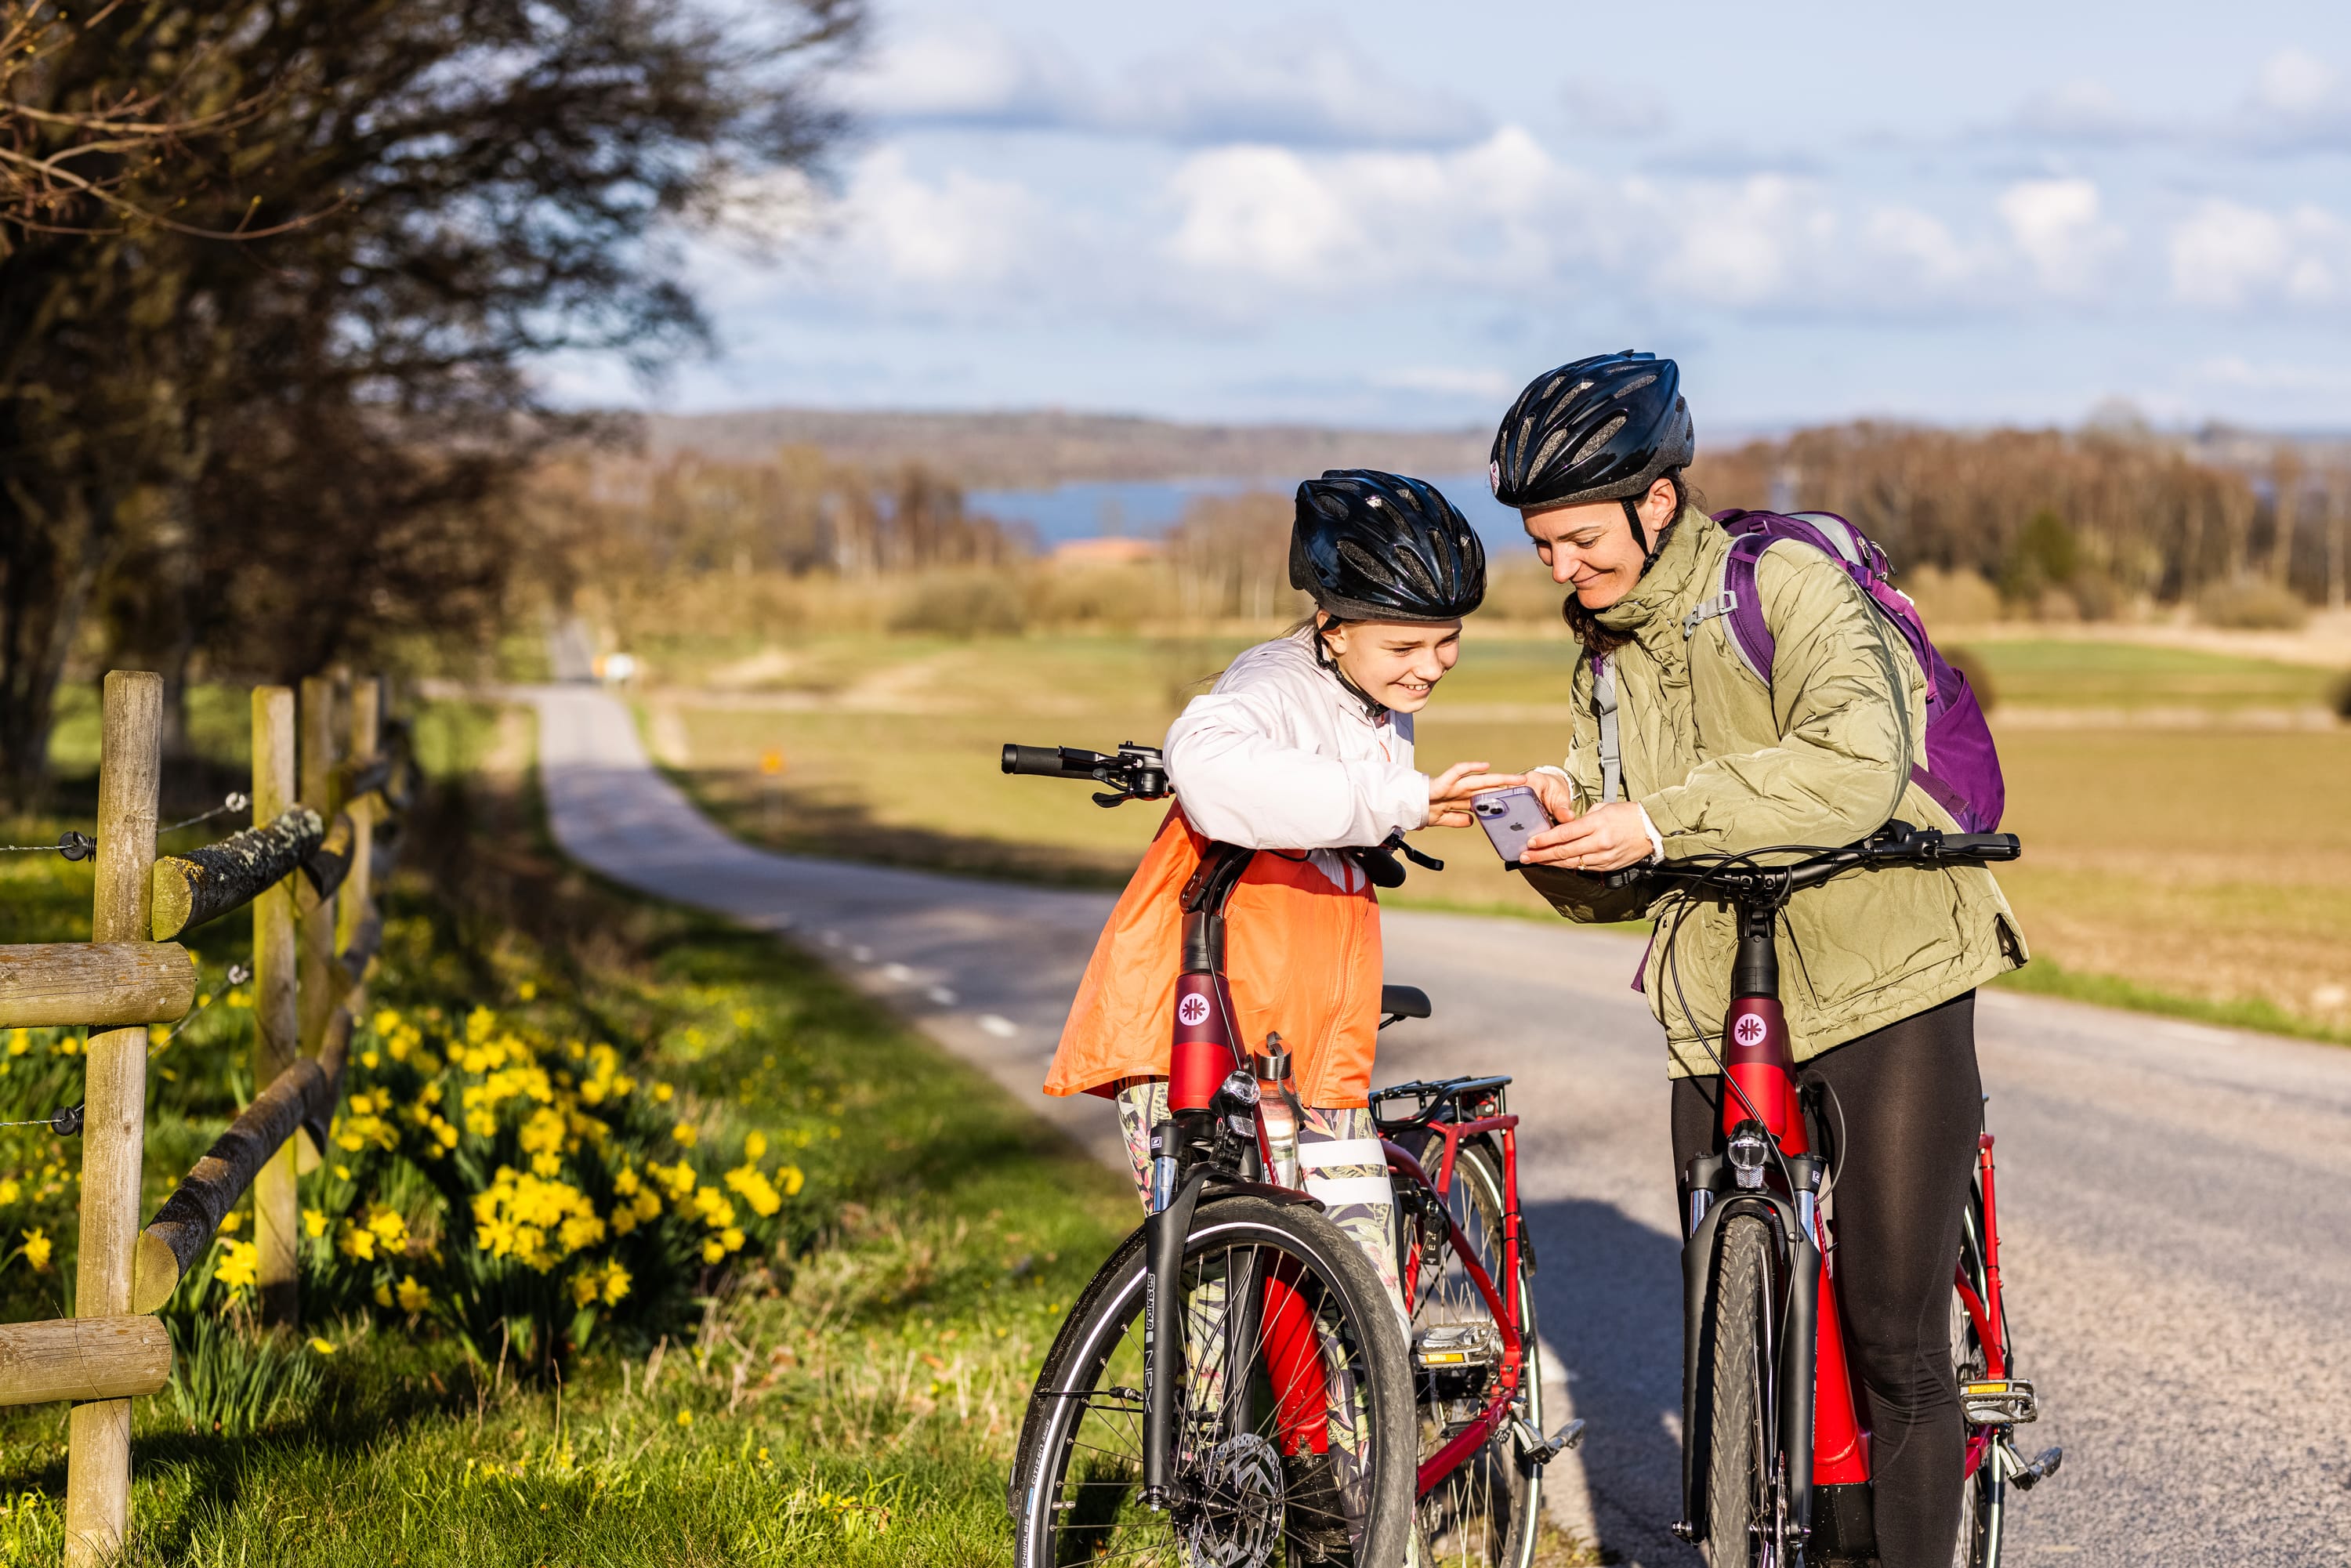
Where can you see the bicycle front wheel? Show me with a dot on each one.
(1483, 1515)
(1294, 1431)
(1734, 1383)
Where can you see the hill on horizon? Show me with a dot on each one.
(1040, 448)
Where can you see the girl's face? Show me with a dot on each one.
(1394, 663)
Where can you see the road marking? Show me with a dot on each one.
(942, 996)
(897, 974)
(861, 954)
(999, 1026)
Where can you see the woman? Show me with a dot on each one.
(1678, 751)
(1303, 748)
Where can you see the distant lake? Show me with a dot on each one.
(1146, 508)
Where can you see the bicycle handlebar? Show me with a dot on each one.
(1132, 773)
(1897, 843)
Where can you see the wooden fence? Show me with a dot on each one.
(306, 867)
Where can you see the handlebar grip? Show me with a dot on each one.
(1052, 761)
(1983, 846)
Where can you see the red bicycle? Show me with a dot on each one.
(1775, 1458)
(1233, 1387)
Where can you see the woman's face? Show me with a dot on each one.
(1395, 662)
(1590, 547)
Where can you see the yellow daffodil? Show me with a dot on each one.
(755, 1145)
(37, 1246)
(324, 1347)
(413, 1297)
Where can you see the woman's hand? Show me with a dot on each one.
(1605, 839)
(1449, 792)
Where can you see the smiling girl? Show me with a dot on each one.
(1303, 750)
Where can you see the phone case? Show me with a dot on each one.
(1510, 817)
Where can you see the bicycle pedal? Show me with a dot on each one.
(2040, 1469)
(1999, 1402)
(1538, 1453)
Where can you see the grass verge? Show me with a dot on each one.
(853, 1400)
(2047, 978)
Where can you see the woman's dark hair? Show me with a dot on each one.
(1585, 623)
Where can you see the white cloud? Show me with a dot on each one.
(2082, 109)
(2229, 256)
(2294, 82)
(2059, 228)
(1295, 86)
(968, 73)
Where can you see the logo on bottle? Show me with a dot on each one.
(1749, 1030)
(1192, 1011)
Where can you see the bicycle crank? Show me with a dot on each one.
(1538, 1453)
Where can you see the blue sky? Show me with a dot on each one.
(1396, 214)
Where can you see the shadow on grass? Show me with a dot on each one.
(802, 822)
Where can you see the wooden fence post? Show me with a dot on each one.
(367, 736)
(98, 1471)
(316, 994)
(276, 1205)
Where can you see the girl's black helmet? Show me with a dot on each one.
(1601, 429)
(1379, 547)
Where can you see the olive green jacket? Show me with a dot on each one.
(1822, 756)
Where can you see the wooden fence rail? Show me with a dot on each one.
(306, 867)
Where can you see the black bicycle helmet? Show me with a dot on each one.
(1601, 429)
(1379, 547)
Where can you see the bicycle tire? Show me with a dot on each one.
(1734, 1383)
(1060, 1518)
(1486, 1514)
(1983, 1499)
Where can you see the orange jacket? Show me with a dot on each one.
(1303, 955)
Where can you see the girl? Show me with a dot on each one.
(1303, 750)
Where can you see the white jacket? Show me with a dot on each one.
(1280, 756)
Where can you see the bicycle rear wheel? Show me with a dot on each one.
(1734, 1387)
(1270, 1468)
(1486, 1514)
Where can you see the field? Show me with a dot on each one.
(2188, 848)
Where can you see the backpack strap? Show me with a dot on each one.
(1612, 750)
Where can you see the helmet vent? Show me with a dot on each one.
(1600, 438)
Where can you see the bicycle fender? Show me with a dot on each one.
(1219, 1185)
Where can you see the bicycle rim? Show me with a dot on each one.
(1485, 1514)
(1273, 1473)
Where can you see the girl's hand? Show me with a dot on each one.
(1449, 792)
(1605, 839)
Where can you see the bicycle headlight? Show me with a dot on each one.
(1748, 1149)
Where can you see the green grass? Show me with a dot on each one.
(2078, 674)
(2047, 978)
(854, 1402)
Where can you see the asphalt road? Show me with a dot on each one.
(2175, 1199)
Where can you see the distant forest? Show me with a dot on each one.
(2090, 523)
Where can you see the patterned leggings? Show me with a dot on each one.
(1339, 1154)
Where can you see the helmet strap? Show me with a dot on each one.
(1633, 516)
(1373, 707)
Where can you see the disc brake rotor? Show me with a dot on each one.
(1238, 1517)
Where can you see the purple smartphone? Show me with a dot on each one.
(1510, 817)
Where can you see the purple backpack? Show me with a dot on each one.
(1962, 772)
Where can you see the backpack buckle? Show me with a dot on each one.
(1722, 603)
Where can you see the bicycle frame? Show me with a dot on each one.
(1816, 1451)
(1205, 1059)
(1480, 1429)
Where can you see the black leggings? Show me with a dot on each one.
(1904, 1108)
